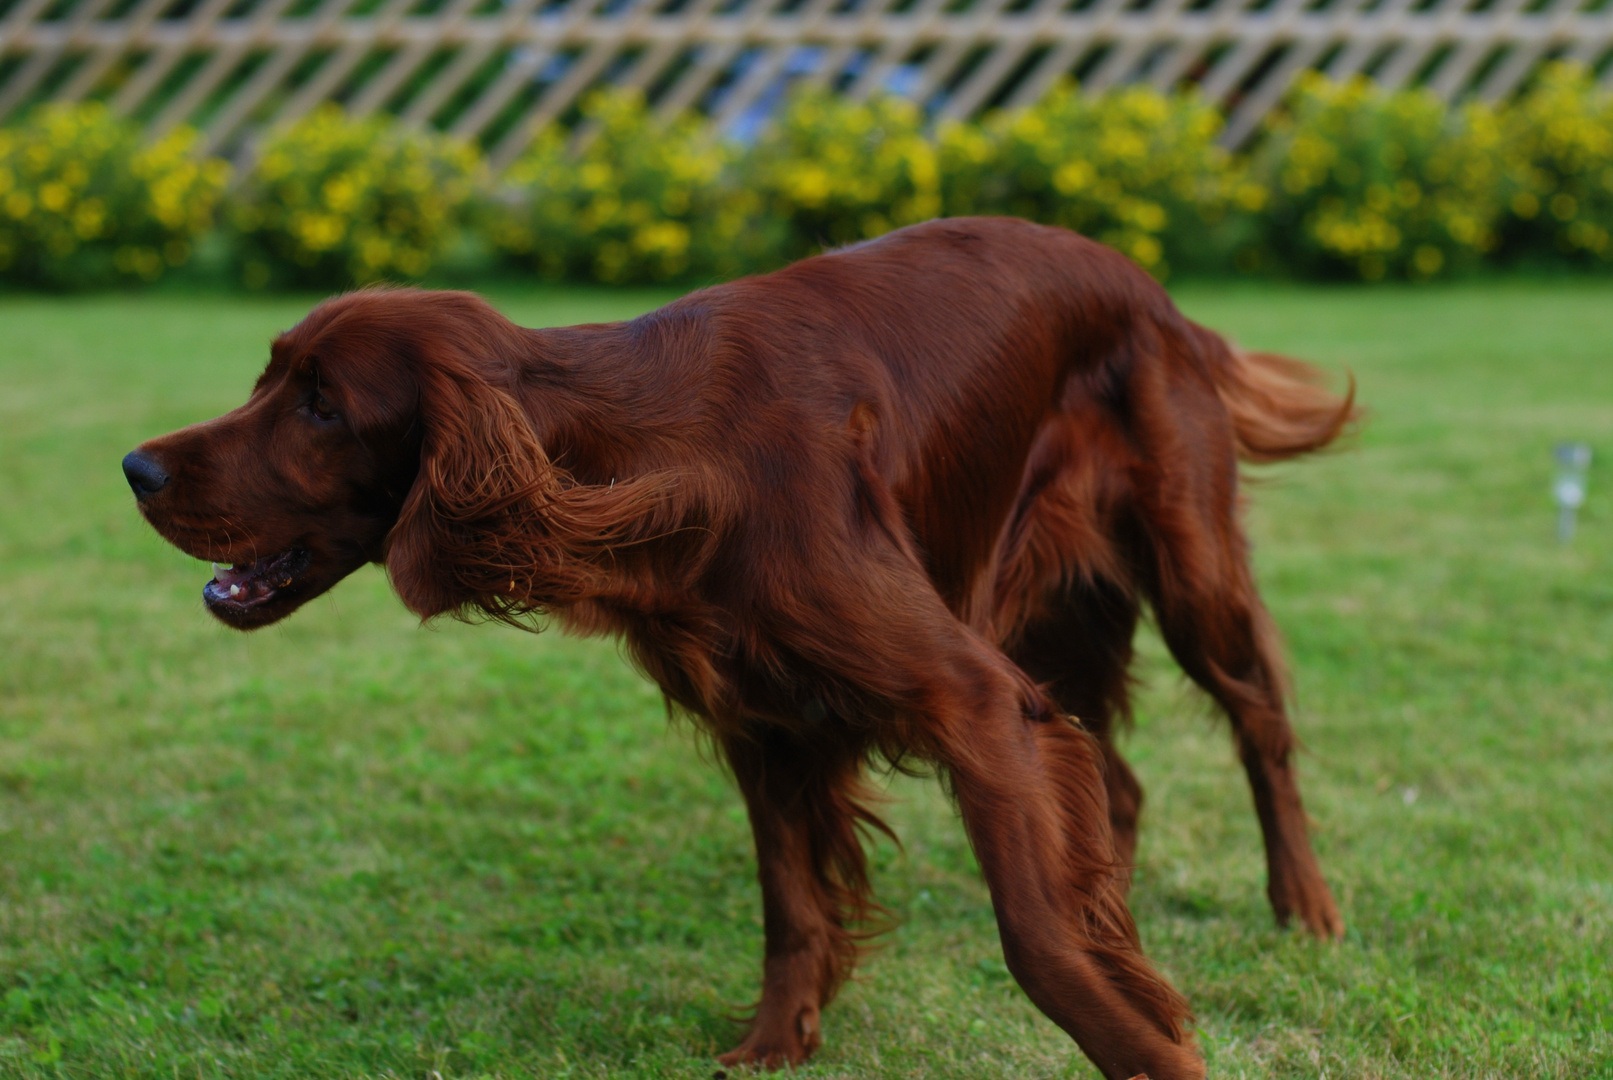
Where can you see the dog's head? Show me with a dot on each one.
(305, 482)
(387, 427)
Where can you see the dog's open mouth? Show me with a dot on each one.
(242, 586)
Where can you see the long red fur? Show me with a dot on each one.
(904, 500)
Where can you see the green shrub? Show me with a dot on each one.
(1347, 181)
(831, 171)
(1368, 183)
(642, 202)
(1557, 145)
(83, 203)
(333, 202)
(1133, 168)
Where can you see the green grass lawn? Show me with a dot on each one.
(348, 846)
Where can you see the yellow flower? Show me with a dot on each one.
(1146, 250)
(54, 196)
(1072, 177)
(88, 218)
(1427, 260)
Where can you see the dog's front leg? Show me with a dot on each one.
(805, 806)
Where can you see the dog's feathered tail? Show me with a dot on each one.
(1281, 407)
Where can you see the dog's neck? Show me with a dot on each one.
(602, 399)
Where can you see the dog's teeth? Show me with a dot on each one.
(235, 590)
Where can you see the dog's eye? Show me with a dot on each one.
(321, 407)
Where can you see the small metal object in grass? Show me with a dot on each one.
(1568, 486)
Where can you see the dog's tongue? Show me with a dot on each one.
(231, 575)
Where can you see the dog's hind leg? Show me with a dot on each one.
(1224, 644)
(1202, 590)
(807, 804)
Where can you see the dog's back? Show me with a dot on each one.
(1010, 384)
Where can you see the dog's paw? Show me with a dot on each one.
(775, 1043)
(1309, 900)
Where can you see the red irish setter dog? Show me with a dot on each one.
(903, 500)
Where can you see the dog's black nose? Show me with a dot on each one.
(146, 477)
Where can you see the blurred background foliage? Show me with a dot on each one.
(623, 201)
(332, 201)
(1346, 182)
(84, 203)
(1135, 169)
(1372, 184)
(832, 172)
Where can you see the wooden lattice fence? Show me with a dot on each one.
(497, 70)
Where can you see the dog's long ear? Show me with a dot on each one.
(491, 525)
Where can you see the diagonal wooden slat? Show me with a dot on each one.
(1377, 29)
(14, 29)
(1397, 73)
(834, 63)
(1055, 65)
(682, 95)
(551, 104)
(379, 89)
(44, 60)
(465, 64)
(1163, 43)
(985, 79)
(1512, 71)
(766, 70)
(944, 64)
(384, 83)
(761, 73)
(1231, 68)
(322, 84)
(1174, 67)
(1124, 58)
(518, 73)
(895, 50)
(136, 22)
(20, 17)
(1246, 115)
(1453, 75)
(262, 82)
(219, 67)
(267, 78)
(328, 80)
(988, 78)
(1518, 64)
(1412, 55)
(1589, 49)
(159, 64)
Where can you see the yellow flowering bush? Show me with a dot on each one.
(83, 203)
(1347, 180)
(1557, 145)
(641, 202)
(831, 171)
(333, 202)
(1371, 184)
(1136, 169)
